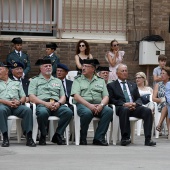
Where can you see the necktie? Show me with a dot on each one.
(125, 92)
(18, 54)
(64, 88)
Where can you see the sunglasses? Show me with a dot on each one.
(114, 45)
(81, 45)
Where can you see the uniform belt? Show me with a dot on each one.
(50, 100)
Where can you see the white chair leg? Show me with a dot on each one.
(19, 130)
(115, 128)
(139, 125)
(77, 129)
(10, 122)
(35, 124)
(157, 118)
(132, 125)
(67, 136)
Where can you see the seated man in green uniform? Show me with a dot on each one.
(47, 93)
(91, 97)
(12, 97)
(50, 48)
(18, 56)
(103, 72)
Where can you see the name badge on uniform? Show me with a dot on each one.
(98, 85)
(55, 84)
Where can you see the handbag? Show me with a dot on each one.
(145, 98)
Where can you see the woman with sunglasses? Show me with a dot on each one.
(159, 96)
(114, 57)
(144, 89)
(82, 52)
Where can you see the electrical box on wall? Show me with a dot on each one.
(149, 52)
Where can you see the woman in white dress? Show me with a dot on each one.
(144, 88)
(114, 57)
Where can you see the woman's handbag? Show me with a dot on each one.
(145, 98)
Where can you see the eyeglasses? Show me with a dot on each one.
(114, 45)
(139, 77)
(81, 45)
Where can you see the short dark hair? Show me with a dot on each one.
(162, 57)
(167, 69)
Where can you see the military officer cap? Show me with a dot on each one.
(42, 61)
(17, 40)
(17, 64)
(52, 45)
(4, 65)
(93, 62)
(103, 68)
(63, 66)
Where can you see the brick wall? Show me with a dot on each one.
(146, 23)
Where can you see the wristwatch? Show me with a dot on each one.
(101, 104)
(59, 103)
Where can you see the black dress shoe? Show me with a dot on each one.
(42, 140)
(5, 142)
(125, 142)
(83, 142)
(149, 142)
(101, 143)
(58, 139)
(30, 142)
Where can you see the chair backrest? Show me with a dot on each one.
(71, 75)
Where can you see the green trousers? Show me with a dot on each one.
(21, 111)
(63, 112)
(86, 115)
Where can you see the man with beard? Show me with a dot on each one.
(47, 93)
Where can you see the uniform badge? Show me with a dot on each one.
(25, 60)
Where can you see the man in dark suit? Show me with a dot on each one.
(125, 96)
(18, 56)
(17, 72)
(62, 71)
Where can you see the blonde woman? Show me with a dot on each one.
(144, 88)
(114, 57)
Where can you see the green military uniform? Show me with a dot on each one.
(92, 91)
(23, 58)
(54, 60)
(46, 90)
(9, 91)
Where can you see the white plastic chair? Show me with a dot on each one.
(18, 125)
(52, 126)
(77, 124)
(71, 75)
(116, 129)
(156, 119)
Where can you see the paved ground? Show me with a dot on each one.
(54, 157)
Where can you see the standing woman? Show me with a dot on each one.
(114, 57)
(50, 48)
(82, 52)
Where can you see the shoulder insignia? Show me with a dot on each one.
(34, 77)
(77, 76)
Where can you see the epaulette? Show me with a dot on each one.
(77, 76)
(33, 77)
(99, 77)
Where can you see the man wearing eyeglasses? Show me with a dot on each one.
(125, 96)
(91, 97)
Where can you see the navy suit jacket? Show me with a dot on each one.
(68, 86)
(116, 95)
